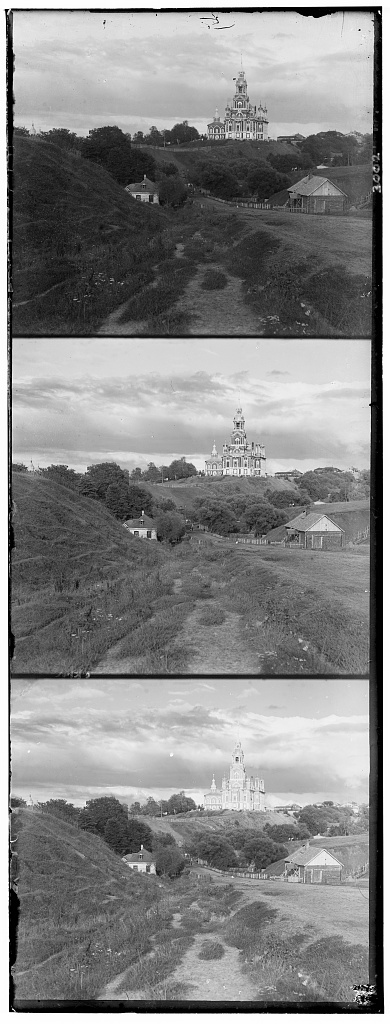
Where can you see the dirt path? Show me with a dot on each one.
(214, 980)
(220, 650)
(218, 312)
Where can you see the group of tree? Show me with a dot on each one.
(237, 848)
(334, 148)
(327, 819)
(109, 484)
(178, 803)
(112, 149)
(239, 177)
(179, 134)
(107, 818)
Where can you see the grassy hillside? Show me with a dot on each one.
(79, 580)
(185, 827)
(80, 243)
(82, 912)
(183, 492)
(355, 181)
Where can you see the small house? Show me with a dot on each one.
(145, 191)
(315, 194)
(141, 861)
(313, 867)
(143, 527)
(315, 530)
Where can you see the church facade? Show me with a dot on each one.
(239, 457)
(239, 792)
(242, 120)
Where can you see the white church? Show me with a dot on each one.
(239, 792)
(240, 457)
(242, 120)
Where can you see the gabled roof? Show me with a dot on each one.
(306, 186)
(305, 855)
(143, 856)
(305, 522)
(279, 198)
(277, 533)
(144, 522)
(142, 186)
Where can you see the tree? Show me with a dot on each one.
(263, 182)
(262, 851)
(102, 474)
(111, 148)
(281, 833)
(169, 861)
(170, 527)
(282, 499)
(152, 474)
(18, 801)
(61, 809)
(219, 180)
(61, 474)
(137, 833)
(139, 137)
(154, 138)
(172, 191)
(180, 469)
(139, 500)
(115, 835)
(87, 821)
(183, 132)
(136, 474)
(152, 808)
(64, 138)
(217, 852)
(179, 803)
(21, 131)
(117, 499)
(265, 518)
(19, 467)
(162, 839)
(102, 808)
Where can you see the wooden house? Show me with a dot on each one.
(143, 527)
(313, 867)
(315, 194)
(315, 530)
(141, 861)
(145, 191)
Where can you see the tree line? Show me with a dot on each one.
(107, 818)
(230, 512)
(111, 148)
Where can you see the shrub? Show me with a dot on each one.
(213, 280)
(212, 617)
(211, 951)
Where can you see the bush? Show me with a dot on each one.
(214, 280)
(212, 617)
(211, 951)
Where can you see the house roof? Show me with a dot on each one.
(279, 198)
(143, 521)
(305, 522)
(306, 186)
(305, 855)
(277, 533)
(142, 186)
(142, 855)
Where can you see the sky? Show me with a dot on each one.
(77, 740)
(82, 70)
(79, 402)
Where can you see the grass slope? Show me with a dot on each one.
(78, 237)
(82, 912)
(79, 580)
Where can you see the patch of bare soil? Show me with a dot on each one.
(218, 312)
(214, 980)
(221, 650)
